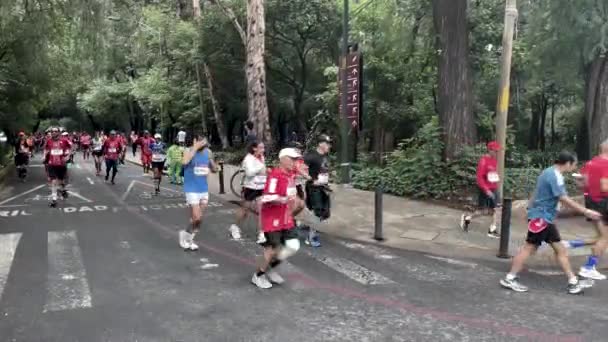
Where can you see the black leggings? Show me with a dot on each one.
(111, 164)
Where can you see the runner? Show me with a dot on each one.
(85, 145)
(22, 156)
(542, 210)
(175, 154)
(159, 156)
(253, 187)
(197, 163)
(301, 175)
(133, 138)
(97, 152)
(112, 149)
(317, 197)
(277, 222)
(487, 184)
(146, 153)
(123, 152)
(596, 181)
(56, 153)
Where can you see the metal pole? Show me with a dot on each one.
(221, 177)
(502, 108)
(505, 229)
(378, 236)
(345, 166)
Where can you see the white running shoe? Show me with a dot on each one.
(274, 277)
(591, 273)
(193, 246)
(261, 238)
(183, 239)
(261, 281)
(235, 232)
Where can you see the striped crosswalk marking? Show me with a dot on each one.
(67, 283)
(352, 270)
(8, 246)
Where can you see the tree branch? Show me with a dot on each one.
(230, 14)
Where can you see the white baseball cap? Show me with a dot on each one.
(289, 152)
(157, 136)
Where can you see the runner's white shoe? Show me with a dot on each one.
(591, 273)
(261, 238)
(183, 239)
(235, 232)
(193, 246)
(274, 277)
(261, 281)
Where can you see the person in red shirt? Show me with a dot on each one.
(146, 152)
(277, 219)
(85, 144)
(123, 143)
(595, 175)
(112, 149)
(56, 153)
(487, 183)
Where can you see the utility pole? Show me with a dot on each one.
(502, 108)
(344, 127)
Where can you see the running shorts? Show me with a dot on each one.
(549, 235)
(57, 171)
(158, 165)
(484, 201)
(601, 207)
(97, 153)
(250, 195)
(21, 159)
(318, 201)
(278, 238)
(197, 198)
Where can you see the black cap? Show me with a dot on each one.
(324, 138)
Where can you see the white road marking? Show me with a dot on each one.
(13, 205)
(78, 166)
(377, 253)
(36, 165)
(23, 193)
(90, 181)
(209, 266)
(124, 196)
(8, 246)
(453, 261)
(352, 270)
(547, 272)
(77, 195)
(154, 186)
(67, 284)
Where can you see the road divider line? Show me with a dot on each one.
(352, 270)
(90, 181)
(129, 188)
(67, 283)
(452, 261)
(8, 246)
(23, 194)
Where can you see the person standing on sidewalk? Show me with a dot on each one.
(175, 154)
(317, 197)
(487, 184)
(197, 163)
(596, 181)
(550, 190)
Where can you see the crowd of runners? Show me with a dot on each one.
(278, 195)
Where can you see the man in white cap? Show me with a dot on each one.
(277, 220)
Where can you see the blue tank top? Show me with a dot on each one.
(195, 173)
(159, 153)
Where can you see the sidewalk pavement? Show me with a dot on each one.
(423, 226)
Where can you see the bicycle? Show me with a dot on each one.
(236, 182)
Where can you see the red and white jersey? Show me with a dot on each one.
(112, 148)
(57, 151)
(276, 212)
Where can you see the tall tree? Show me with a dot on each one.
(455, 101)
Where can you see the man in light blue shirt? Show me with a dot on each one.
(550, 190)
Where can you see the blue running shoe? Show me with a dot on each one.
(315, 242)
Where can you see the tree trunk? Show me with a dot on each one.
(219, 118)
(454, 83)
(543, 120)
(553, 123)
(596, 102)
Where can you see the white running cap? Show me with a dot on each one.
(289, 152)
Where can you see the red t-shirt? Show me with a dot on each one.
(277, 216)
(487, 176)
(57, 151)
(597, 173)
(85, 140)
(112, 148)
(145, 145)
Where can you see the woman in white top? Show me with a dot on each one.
(253, 187)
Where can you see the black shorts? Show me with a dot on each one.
(278, 238)
(158, 165)
(318, 201)
(57, 172)
(97, 153)
(549, 235)
(21, 159)
(250, 195)
(484, 201)
(601, 207)
(301, 193)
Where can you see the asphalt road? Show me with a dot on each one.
(106, 266)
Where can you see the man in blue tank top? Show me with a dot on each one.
(197, 164)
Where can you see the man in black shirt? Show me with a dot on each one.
(317, 197)
(251, 136)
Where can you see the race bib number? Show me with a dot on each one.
(259, 180)
(323, 178)
(97, 148)
(537, 225)
(493, 177)
(112, 150)
(201, 170)
(56, 152)
(292, 192)
(158, 157)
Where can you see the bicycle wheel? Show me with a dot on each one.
(236, 183)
